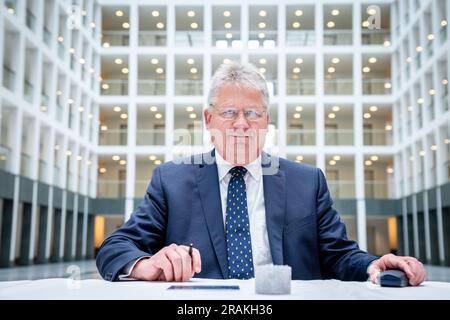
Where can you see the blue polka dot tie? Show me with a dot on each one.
(239, 245)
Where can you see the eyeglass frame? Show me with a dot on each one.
(243, 111)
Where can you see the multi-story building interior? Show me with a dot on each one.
(95, 94)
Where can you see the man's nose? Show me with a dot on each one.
(241, 121)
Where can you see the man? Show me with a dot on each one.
(239, 207)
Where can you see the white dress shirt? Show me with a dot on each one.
(255, 204)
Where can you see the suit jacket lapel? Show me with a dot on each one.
(208, 185)
(274, 201)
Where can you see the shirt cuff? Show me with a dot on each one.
(126, 271)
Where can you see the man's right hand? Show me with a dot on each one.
(171, 263)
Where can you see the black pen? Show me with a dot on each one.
(190, 249)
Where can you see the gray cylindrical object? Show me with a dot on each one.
(271, 279)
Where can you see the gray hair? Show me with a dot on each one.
(241, 74)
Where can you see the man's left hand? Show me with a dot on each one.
(412, 267)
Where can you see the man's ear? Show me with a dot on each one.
(207, 115)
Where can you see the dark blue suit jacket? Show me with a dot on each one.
(182, 205)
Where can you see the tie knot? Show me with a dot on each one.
(238, 171)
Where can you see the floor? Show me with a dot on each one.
(87, 270)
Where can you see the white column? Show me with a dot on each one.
(85, 226)
(15, 213)
(74, 226)
(50, 214)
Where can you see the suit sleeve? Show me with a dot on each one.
(341, 258)
(142, 235)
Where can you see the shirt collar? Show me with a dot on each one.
(223, 167)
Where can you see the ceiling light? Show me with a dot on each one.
(262, 70)
(430, 36)
(81, 109)
(374, 158)
(443, 23)
(299, 158)
(387, 85)
(332, 162)
(92, 25)
(123, 116)
(387, 43)
(191, 13)
(155, 13)
(70, 101)
(336, 158)
(119, 13)
(189, 108)
(152, 157)
(192, 115)
(116, 158)
(228, 35)
(226, 60)
(105, 44)
(371, 11)
(227, 25)
(373, 108)
(125, 25)
(262, 25)
(226, 13)
(117, 109)
(296, 70)
(444, 82)
(102, 170)
(335, 108)
(299, 108)
(335, 60)
(153, 108)
(368, 163)
(409, 59)
(372, 60)
(190, 61)
(297, 115)
(331, 69)
(125, 70)
(335, 12)
(123, 162)
(43, 108)
(388, 127)
(82, 61)
(79, 158)
(419, 49)
(298, 13)
(118, 61)
(420, 100)
(447, 141)
(72, 50)
(422, 153)
(389, 170)
(104, 128)
(160, 25)
(193, 70)
(262, 13)
(194, 25)
(155, 61)
(261, 35)
(158, 116)
(157, 162)
(330, 24)
(159, 70)
(263, 61)
(366, 69)
(296, 24)
(299, 61)
(433, 147)
(431, 92)
(410, 108)
(367, 115)
(105, 86)
(60, 39)
(365, 23)
(331, 115)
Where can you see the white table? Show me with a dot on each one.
(63, 288)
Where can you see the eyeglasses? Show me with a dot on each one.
(249, 114)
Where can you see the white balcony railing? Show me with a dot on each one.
(150, 137)
(301, 137)
(338, 137)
